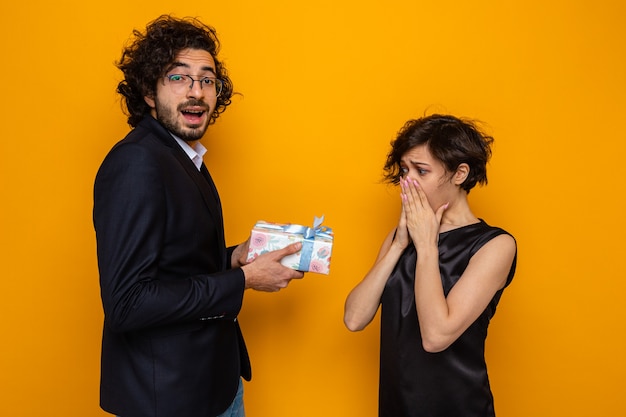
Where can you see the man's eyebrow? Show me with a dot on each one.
(178, 64)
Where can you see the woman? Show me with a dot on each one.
(439, 276)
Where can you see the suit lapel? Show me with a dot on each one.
(207, 188)
(218, 206)
(205, 173)
(201, 178)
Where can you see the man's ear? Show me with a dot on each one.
(149, 101)
(461, 174)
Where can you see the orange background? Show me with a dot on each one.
(326, 85)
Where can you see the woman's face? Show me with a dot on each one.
(432, 177)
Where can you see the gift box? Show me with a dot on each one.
(317, 244)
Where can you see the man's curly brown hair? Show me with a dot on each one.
(147, 58)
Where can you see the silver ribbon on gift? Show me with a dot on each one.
(308, 233)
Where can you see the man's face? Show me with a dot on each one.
(185, 109)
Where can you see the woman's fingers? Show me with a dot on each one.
(415, 197)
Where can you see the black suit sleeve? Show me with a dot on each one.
(152, 270)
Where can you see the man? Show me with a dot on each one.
(171, 290)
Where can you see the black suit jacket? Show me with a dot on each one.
(171, 344)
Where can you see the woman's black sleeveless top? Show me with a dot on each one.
(452, 383)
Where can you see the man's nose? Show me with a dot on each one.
(195, 89)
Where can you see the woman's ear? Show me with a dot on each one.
(461, 174)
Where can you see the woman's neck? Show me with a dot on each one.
(458, 214)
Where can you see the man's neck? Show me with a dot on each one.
(192, 143)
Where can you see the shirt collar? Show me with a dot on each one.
(195, 154)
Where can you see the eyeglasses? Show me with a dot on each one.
(181, 83)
